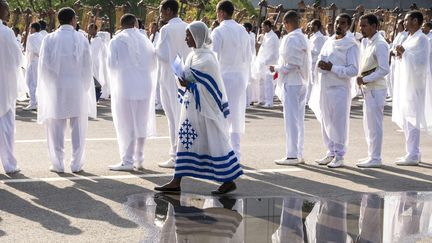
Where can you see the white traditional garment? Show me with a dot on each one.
(171, 43)
(371, 219)
(291, 222)
(65, 91)
(268, 55)
(253, 86)
(395, 61)
(96, 48)
(412, 101)
(430, 51)
(132, 69)
(331, 95)
(34, 43)
(231, 44)
(11, 61)
(374, 67)
(317, 41)
(204, 150)
(103, 68)
(294, 72)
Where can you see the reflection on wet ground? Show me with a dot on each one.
(390, 217)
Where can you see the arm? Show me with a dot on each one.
(216, 42)
(163, 49)
(351, 69)
(381, 54)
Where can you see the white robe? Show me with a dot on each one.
(171, 42)
(34, 43)
(103, 68)
(412, 101)
(231, 44)
(132, 63)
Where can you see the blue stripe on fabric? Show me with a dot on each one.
(212, 178)
(201, 163)
(208, 157)
(220, 173)
(194, 90)
(226, 113)
(209, 78)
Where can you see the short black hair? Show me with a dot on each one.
(428, 24)
(416, 15)
(346, 16)
(371, 19)
(291, 16)
(317, 23)
(93, 25)
(65, 15)
(248, 26)
(42, 24)
(128, 20)
(268, 23)
(140, 24)
(171, 4)
(226, 6)
(16, 30)
(36, 26)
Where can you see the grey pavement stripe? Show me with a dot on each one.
(118, 177)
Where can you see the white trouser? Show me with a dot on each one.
(294, 112)
(31, 80)
(133, 152)
(172, 107)
(373, 115)
(268, 89)
(412, 141)
(235, 143)
(261, 90)
(7, 130)
(55, 137)
(158, 95)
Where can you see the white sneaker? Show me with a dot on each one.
(325, 160)
(363, 160)
(139, 165)
(16, 170)
(30, 108)
(407, 162)
(266, 105)
(167, 164)
(55, 170)
(336, 163)
(158, 107)
(121, 167)
(371, 163)
(286, 161)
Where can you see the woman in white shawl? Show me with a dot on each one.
(204, 150)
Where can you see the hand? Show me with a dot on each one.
(400, 50)
(183, 82)
(360, 81)
(325, 65)
(272, 69)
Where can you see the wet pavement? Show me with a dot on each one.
(389, 217)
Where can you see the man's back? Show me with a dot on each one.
(172, 42)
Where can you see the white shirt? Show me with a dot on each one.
(317, 42)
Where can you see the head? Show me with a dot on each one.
(426, 28)
(197, 35)
(248, 26)
(16, 31)
(342, 24)
(330, 28)
(267, 26)
(316, 25)
(4, 10)
(291, 21)
(400, 25)
(215, 24)
(140, 24)
(67, 16)
(224, 10)
(153, 27)
(42, 24)
(128, 21)
(413, 21)
(368, 25)
(35, 27)
(168, 9)
(92, 29)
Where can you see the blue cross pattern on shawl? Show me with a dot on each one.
(187, 134)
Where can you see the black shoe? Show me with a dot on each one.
(225, 188)
(167, 189)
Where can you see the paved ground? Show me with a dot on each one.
(39, 206)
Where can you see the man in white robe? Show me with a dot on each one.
(154, 36)
(268, 55)
(374, 67)
(426, 28)
(331, 95)
(253, 86)
(231, 44)
(170, 44)
(412, 101)
(97, 49)
(395, 62)
(34, 42)
(103, 71)
(43, 26)
(11, 61)
(65, 90)
(294, 70)
(132, 63)
(317, 40)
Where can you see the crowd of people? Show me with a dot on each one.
(205, 99)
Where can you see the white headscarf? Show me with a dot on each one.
(200, 33)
